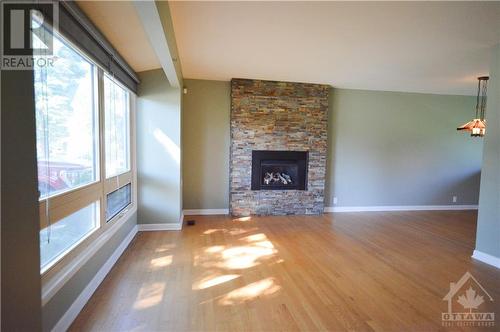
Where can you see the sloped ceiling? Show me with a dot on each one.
(119, 23)
(414, 46)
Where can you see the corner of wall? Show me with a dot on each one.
(158, 150)
(488, 224)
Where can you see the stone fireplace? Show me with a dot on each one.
(278, 147)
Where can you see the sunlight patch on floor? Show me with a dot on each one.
(214, 249)
(255, 248)
(162, 261)
(165, 247)
(149, 295)
(211, 231)
(255, 237)
(240, 231)
(243, 219)
(243, 257)
(214, 280)
(265, 244)
(264, 287)
(232, 231)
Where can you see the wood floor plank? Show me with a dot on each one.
(376, 271)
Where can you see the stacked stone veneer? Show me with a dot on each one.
(269, 115)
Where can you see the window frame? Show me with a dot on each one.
(119, 180)
(96, 100)
(114, 176)
(67, 202)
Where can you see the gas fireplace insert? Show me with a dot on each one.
(279, 170)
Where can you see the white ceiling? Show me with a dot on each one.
(394, 46)
(119, 23)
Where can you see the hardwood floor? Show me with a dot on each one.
(348, 271)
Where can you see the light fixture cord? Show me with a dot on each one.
(477, 98)
(483, 99)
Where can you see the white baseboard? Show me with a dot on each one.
(205, 212)
(69, 316)
(160, 227)
(399, 208)
(486, 258)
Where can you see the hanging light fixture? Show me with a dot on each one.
(477, 127)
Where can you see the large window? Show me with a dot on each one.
(83, 150)
(117, 127)
(66, 122)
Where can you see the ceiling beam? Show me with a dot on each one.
(158, 34)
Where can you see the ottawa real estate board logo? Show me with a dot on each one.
(468, 304)
(27, 34)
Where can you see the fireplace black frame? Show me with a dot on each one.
(301, 158)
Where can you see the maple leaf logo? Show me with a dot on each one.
(471, 300)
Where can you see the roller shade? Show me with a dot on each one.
(77, 28)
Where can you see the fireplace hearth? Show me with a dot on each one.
(279, 170)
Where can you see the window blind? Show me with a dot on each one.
(76, 27)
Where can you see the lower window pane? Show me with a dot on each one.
(63, 235)
(117, 201)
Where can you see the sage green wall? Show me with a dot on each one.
(488, 227)
(158, 150)
(385, 148)
(393, 148)
(53, 310)
(20, 224)
(205, 136)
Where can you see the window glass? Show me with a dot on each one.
(117, 128)
(66, 233)
(69, 142)
(66, 122)
(117, 201)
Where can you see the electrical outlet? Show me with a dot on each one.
(335, 201)
(454, 199)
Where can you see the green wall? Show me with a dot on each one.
(385, 148)
(205, 136)
(21, 287)
(158, 150)
(393, 148)
(488, 227)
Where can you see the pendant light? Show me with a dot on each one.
(477, 127)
